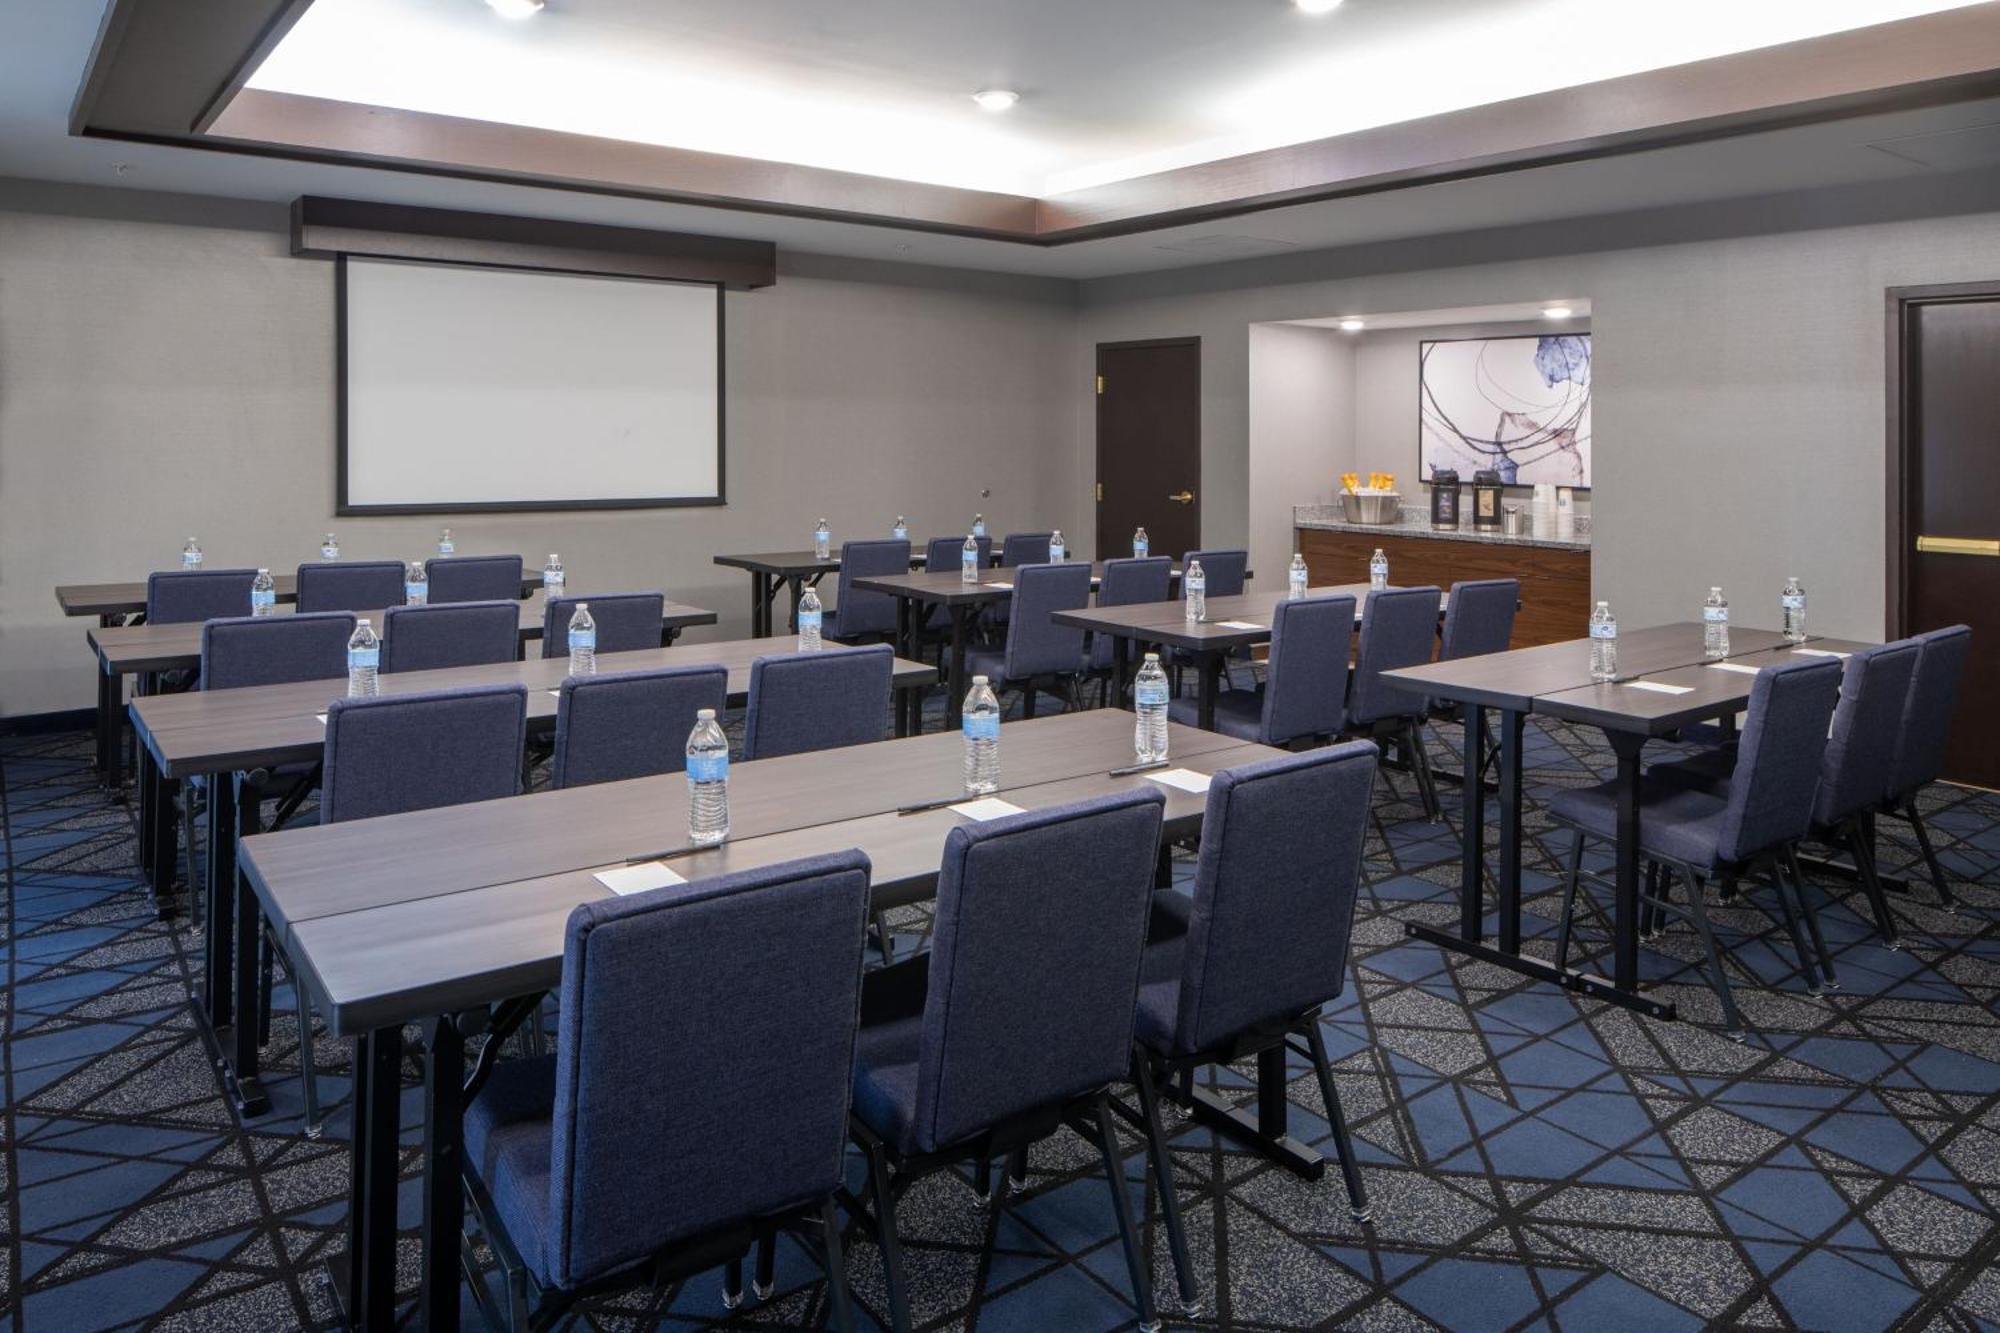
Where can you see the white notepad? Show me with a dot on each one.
(1184, 778)
(556, 693)
(1238, 624)
(321, 717)
(1816, 652)
(998, 584)
(1733, 666)
(639, 878)
(985, 808)
(1657, 688)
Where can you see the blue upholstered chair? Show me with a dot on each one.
(394, 753)
(1753, 829)
(862, 614)
(1398, 629)
(1855, 771)
(651, 1150)
(474, 578)
(1242, 967)
(450, 634)
(817, 701)
(182, 596)
(1126, 582)
(1016, 550)
(1038, 653)
(942, 556)
(626, 622)
(1304, 690)
(631, 724)
(1223, 571)
(959, 1060)
(1925, 731)
(351, 585)
(1478, 619)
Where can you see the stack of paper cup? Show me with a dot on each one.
(1565, 513)
(1543, 512)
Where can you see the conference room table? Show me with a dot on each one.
(796, 571)
(459, 923)
(235, 740)
(1665, 682)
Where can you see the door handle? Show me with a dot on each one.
(1960, 545)
(1183, 498)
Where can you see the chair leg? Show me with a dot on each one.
(308, 1073)
(732, 1284)
(1788, 908)
(1163, 1173)
(765, 1280)
(1336, 1118)
(1570, 880)
(884, 1200)
(1698, 913)
(1916, 818)
(1420, 764)
(884, 941)
(1121, 1204)
(1871, 883)
(187, 850)
(1810, 915)
(1028, 700)
(1649, 915)
(838, 1303)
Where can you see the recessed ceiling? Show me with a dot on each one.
(1110, 89)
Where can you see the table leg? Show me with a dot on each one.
(368, 1275)
(218, 981)
(1509, 888)
(1211, 671)
(108, 690)
(1121, 669)
(908, 716)
(165, 834)
(793, 583)
(241, 1076)
(1625, 907)
(1472, 833)
(1269, 1130)
(760, 605)
(444, 1194)
(961, 615)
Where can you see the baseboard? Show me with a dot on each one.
(32, 724)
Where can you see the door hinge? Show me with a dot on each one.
(1100, 385)
(1100, 492)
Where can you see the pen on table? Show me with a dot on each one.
(668, 854)
(1130, 769)
(930, 805)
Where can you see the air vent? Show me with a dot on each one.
(1225, 247)
(1949, 150)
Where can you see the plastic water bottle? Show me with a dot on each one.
(364, 656)
(1378, 571)
(1295, 577)
(1149, 698)
(1140, 546)
(1195, 584)
(1715, 625)
(968, 561)
(1603, 643)
(553, 579)
(416, 584)
(1793, 603)
(822, 540)
(582, 642)
(191, 555)
(445, 544)
(263, 594)
(900, 529)
(1058, 550)
(809, 621)
(979, 525)
(980, 720)
(329, 547)
(708, 781)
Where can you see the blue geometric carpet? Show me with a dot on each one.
(1536, 1161)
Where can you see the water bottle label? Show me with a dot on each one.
(329, 552)
(583, 639)
(1715, 615)
(900, 534)
(970, 560)
(708, 767)
(446, 548)
(265, 597)
(979, 529)
(363, 659)
(416, 593)
(1139, 550)
(550, 580)
(982, 726)
(809, 622)
(1794, 602)
(1152, 695)
(1608, 630)
(1056, 554)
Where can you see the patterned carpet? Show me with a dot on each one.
(1536, 1161)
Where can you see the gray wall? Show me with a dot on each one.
(166, 368)
(1301, 432)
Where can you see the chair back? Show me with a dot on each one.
(1778, 759)
(1036, 645)
(274, 650)
(941, 554)
(474, 578)
(660, 985)
(1222, 571)
(631, 724)
(817, 701)
(351, 585)
(183, 596)
(1927, 716)
(396, 752)
(1058, 896)
(450, 634)
(1861, 748)
(1274, 892)
(1398, 629)
(861, 611)
(1023, 548)
(1130, 582)
(1305, 681)
(626, 622)
(1479, 618)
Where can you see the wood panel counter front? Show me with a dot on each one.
(1555, 581)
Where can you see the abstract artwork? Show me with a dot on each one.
(1520, 406)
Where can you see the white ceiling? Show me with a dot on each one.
(1110, 89)
(44, 45)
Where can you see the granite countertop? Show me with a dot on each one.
(1328, 518)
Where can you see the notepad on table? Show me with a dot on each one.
(985, 808)
(1184, 778)
(1658, 688)
(321, 717)
(1816, 652)
(1237, 624)
(1733, 666)
(639, 878)
(999, 583)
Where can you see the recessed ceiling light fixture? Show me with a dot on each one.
(1556, 312)
(515, 9)
(996, 99)
(1316, 6)
(1353, 325)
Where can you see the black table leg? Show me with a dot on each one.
(1509, 888)
(1269, 1131)
(793, 584)
(1211, 671)
(909, 717)
(760, 605)
(366, 1278)
(1625, 904)
(218, 979)
(1121, 669)
(1472, 834)
(109, 687)
(163, 834)
(240, 1077)
(961, 615)
(444, 1193)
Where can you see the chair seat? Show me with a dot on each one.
(1674, 822)
(1238, 713)
(509, 1131)
(885, 1078)
(830, 628)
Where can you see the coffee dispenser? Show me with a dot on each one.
(1444, 498)
(1486, 493)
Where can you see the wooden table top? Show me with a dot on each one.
(470, 901)
(231, 731)
(1690, 693)
(1166, 622)
(120, 599)
(128, 649)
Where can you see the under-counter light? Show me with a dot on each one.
(1316, 6)
(1353, 325)
(1556, 312)
(995, 99)
(515, 9)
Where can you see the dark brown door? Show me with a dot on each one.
(1949, 538)
(1149, 446)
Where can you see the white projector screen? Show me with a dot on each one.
(467, 388)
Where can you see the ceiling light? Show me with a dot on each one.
(1317, 6)
(515, 9)
(995, 99)
(1353, 325)
(1556, 312)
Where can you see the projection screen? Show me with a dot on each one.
(467, 388)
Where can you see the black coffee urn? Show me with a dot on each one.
(1486, 493)
(1444, 498)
